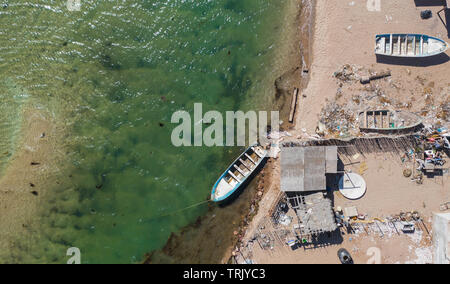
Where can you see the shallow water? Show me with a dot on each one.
(114, 73)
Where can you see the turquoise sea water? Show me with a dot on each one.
(113, 74)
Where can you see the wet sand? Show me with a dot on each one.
(25, 183)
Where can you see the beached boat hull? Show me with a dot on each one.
(409, 45)
(238, 174)
(386, 121)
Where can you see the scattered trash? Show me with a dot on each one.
(348, 73)
(285, 220)
(408, 228)
(445, 206)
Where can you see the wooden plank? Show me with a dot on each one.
(254, 150)
(366, 123)
(406, 45)
(250, 158)
(239, 170)
(293, 105)
(245, 165)
(233, 176)
(421, 45)
(391, 45)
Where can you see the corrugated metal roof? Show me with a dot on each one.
(303, 168)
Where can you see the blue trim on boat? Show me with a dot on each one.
(239, 184)
(425, 37)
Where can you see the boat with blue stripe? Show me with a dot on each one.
(239, 173)
(409, 45)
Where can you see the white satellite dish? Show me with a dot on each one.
(352, 186)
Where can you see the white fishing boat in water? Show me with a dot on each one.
(238, 174)
(409, 45)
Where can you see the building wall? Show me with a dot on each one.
(441, 238)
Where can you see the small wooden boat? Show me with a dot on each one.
(409, 45)
(388, 121)
(238, 173)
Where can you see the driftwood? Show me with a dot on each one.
(293, 105)
(367, 79)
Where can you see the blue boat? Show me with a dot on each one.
(409, 45)
(238, 173)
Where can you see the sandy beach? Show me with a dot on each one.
(27, 179)
(343, 35)
(92, 167)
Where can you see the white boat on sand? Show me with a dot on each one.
(409, 45)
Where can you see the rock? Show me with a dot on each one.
(426, 14)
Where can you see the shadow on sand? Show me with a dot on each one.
(423, 3)
(444, 16)
(414, 61)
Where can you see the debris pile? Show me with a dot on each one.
(339, 117)
(348, 73)
(437, 113)
(338, 121)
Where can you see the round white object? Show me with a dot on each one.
(352, 186)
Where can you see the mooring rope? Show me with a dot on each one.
(183, 209)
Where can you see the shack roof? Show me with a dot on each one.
(303, 169)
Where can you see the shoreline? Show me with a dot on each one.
(314, 41)
(26, 179)
(333, 27)
(268, 189)
(247, 203)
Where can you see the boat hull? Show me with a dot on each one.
(385, 121)
(237, 188)
(409, 45)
